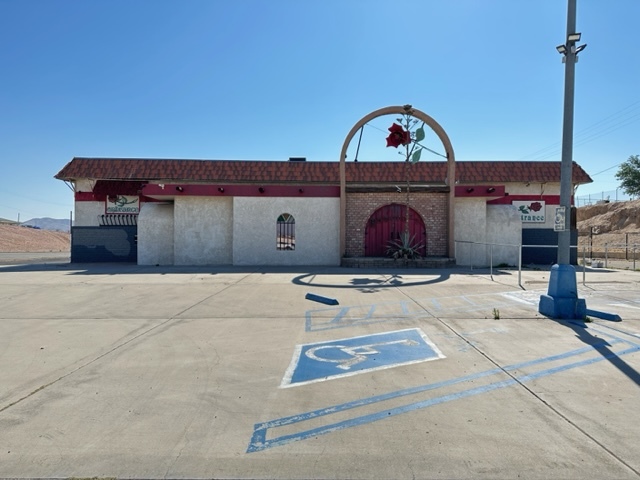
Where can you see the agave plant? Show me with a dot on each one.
(404, 247)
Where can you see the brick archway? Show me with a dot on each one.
(451, 168)
(387, 223)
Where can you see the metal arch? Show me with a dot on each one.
(451, 167)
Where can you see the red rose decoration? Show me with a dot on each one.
(398, 136)
(535, 206)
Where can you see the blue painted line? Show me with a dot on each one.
(469, 301)
(259, 442)
(619, 330)
(341, 314)
(423, 388)
(405, 308)
(371, 400)
(360, 317)
(582, 363)
(370, 313)
(560, 356)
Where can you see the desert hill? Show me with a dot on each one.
(14, 238)
(609, 230)
(618, 217)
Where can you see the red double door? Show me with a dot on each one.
(387, 224)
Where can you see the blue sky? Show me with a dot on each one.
(270, 79)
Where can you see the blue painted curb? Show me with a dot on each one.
(612, 317)
(321, 299)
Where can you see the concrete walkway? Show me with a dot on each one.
(169, 372)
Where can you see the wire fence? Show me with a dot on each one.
(616, 195)
(616, 245)
(609, 259)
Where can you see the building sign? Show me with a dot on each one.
(123, 204)
(531, 211)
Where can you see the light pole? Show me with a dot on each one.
(562, 299)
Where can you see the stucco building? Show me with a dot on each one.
(222, 212)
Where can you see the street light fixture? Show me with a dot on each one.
(573, 37)
(579, 48)
(570, 47)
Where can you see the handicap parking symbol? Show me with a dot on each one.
(314, 362)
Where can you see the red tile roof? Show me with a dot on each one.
(241, 171)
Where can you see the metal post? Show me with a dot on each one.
(606, 255)
(491, 260)
(584, 265)
(626, 246)
(520, 266)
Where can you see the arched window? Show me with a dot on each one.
(286, 232)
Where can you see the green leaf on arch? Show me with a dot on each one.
(416, 155)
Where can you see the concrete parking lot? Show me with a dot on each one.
(167, 372)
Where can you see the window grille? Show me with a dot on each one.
(120, 219)
(286, 232)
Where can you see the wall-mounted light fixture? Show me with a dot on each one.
(261, 190)
(491, 190)
(221, 190)
(301, 190)
(470, 189)
(180, 189)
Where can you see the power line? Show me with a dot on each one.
(606, 170)
(622, 118)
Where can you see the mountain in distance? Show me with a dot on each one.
(46, 223)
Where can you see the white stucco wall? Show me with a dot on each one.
(533, 188)
(317, 231)
(155, 234)
(203, 228)
(87, 214)
(470, 226)
(475, 221)
(84, 185)
(504, 228)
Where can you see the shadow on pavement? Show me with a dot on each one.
(581, 330)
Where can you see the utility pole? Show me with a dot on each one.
(566, 169)
(562, 299)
